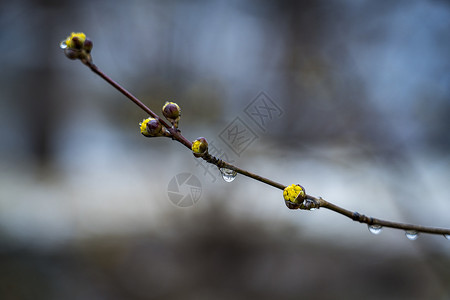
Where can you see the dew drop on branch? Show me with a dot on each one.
(63, 45)
(375, 229)
(227, 174)
(447, 236)
(411, 235)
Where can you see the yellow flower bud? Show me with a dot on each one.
(172, 112)
(200, 147)
(151, 127)
(76, 40)
(77, 46)
(294, 195)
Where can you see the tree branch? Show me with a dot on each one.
(74, 50)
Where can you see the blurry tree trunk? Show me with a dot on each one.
(38, 94)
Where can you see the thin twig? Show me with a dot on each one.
(318, 202)
(176, 134)
(373, 221)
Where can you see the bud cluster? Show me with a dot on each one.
(77, 46)
(151, 127)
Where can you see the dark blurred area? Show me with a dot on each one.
(364, 90)
(219, 257)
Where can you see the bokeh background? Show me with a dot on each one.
(84, 207)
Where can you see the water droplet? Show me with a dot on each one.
(228, 175)
(411, 235)
(63, 45)
(447, 236)
(310, 205)
(375, 229)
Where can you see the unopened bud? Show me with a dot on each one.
(71, 53)
(77, 46)
(172, 112)
(200, 147)
(151, 127)
(76, 40)
(87, 46)
(294, 195)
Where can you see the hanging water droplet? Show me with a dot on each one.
(228, 175)
(411, 235)
(375, 229)
(447, 236)
(63, 45)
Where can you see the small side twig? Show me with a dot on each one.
(77, 46)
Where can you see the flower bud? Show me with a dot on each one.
(172, 112)
(200, 147)
(71, 53)
(87, 46)
(76, 40)
(77, 46)
(294, 195)
(151, 127)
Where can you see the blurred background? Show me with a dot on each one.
(362, 91)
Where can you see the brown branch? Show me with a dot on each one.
(373, 221)
(320, 202)
(313, 202)
(176, 134)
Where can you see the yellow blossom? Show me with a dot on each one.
(143, 125)
(71, 43)
(294, 193)
(196, 146)
(199, 146)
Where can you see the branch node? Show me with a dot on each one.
(356, 216)
(214, 160)
(362, 218)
